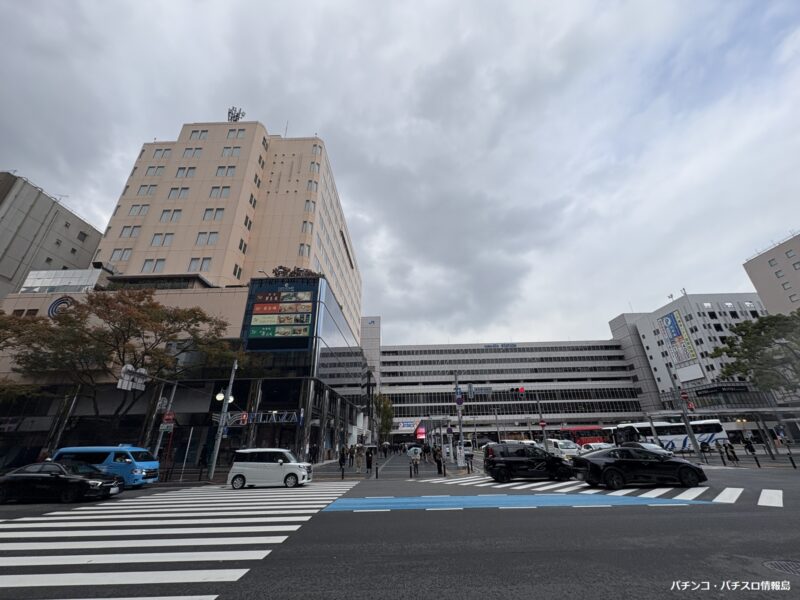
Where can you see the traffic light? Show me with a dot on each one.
(521, 392)
(690, 406)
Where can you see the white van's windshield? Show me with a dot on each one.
(567, 444)
(290, 456)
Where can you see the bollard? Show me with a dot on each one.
(756, 459)
(722, 456)
(410, 471)
(342, 472)
(791, 460)
(376, 469)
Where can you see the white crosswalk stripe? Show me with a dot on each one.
(655, 493)
(230, 524)
(771, 498)
(729, 495)
(691, 493)
(622, 492)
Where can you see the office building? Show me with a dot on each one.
(775, 274)
(37, 232)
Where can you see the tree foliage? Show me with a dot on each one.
(88, 342)
(385, 412)
(766, 351)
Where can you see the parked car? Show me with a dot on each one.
(136, 466)
(53, 481)
(592, 446)
(504, 462)
(267, 466)
(617, 467)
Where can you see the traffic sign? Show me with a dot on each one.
(449, 430)
(459, 400)
(169, 417)
(684, 395)
(166, 427)
(542, 423)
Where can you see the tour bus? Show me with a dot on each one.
(584, 434)
(672, 436)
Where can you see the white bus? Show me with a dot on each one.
(673, 436)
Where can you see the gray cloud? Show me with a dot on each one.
(510, 171)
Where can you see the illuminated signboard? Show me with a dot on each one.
(280, 310)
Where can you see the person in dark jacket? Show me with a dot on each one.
(369, 459)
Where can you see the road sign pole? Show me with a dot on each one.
(542, 424)
(221, 429)
(169, 408)
(684, 396)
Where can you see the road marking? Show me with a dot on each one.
(437, 496)
(126, 532)
(64, 515)
(655, 493)
(119, 559)
(767, 498)
(482, 479)
(379, 496)
(156, 598)
(668, 504)
(58, 523)
(530, 485)
(573, 488)
(623, 492)
(594, 491)
(729, 495)
(446, 508)
(485, 484)
(463, 480)
(120, 578)
(373, 510)
(178, 542)
(220, 505)
(592, 506)
(515, 507)
(690, 494)
(504, 485)
(492, 494)
(555, 485)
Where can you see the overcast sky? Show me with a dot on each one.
(515, 171)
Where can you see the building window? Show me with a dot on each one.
(181, 193)
(199, 134)
(253, 202)
(162, 153)
(311, 206)
(185, 172)
(314, 167)
(248, 222)
(312, 185)
(208, 214)
(237, 271)
(240, 134)
(202, 238)
(243, 246)
(316, 149)
(134, 211)
(779, 273)
(772, 262)
(218, 214)
(231, 134)
(231, 151)
(146, 190)
(264, 143)
(214, 192)
(212, 238)
(154, 171)
(790, 254)
(176, 216)
(165, 214)
(225, 192)
(307, 227)
(147, 266)
(786, 285)
(192, 152)
(796, 266)
(794, 298)
(305, 250)
(130, 231)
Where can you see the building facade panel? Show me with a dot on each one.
(775, 274)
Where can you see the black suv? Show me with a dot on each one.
(504, 462)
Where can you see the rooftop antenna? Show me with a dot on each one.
(61, 197)
(671, 297)
(683, 291)
(286, 129)
(235, 114)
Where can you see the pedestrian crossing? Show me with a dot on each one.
(728, 495)
(162, 538)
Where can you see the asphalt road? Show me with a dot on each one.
(560, 545)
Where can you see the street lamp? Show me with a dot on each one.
(221, 396)
(743, 422)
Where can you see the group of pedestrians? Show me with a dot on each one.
(730, 452)
(357, 455)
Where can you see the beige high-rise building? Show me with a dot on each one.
(775, 274)
(227, 202)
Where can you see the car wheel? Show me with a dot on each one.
(563, 473)
(69, 494)
(688, 477)
(290, 480)
(613, 479)
(237, 482)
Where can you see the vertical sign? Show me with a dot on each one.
(674, 331)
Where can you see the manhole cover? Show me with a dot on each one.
(792, 567)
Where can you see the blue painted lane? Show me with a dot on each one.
(497, 501)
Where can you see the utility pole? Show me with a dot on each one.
(497, 425)
(168, 408)
(459, 402)
(653, 430)
(541, 421)
(222, 422)
(684, 396)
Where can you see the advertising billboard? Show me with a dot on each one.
(676, 337)
(280, 314)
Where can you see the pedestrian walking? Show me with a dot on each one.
(313, 452)
(369, 460)
(359, 458)
(731, 454)
(342, 456)
(437, 458)
(748, 446)
(351, 456)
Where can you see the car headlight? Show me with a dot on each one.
(95, 483)
(137, 471)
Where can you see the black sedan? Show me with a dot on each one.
(55, 481)
(504, 462)
(617, 467)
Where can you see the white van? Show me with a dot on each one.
(267, 466)
(563, 448)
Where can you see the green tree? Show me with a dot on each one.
(88, 343)
(765, 351)
(385, 411)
